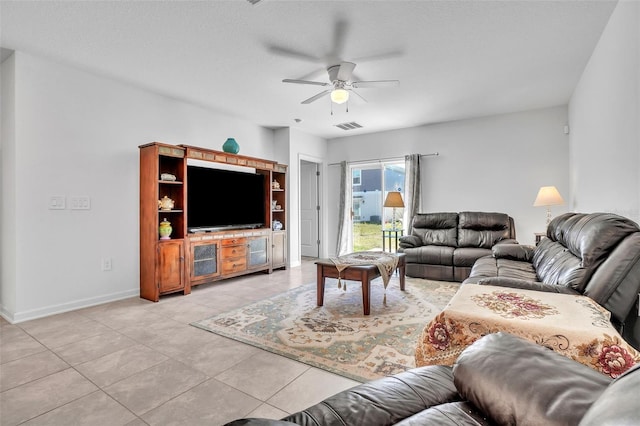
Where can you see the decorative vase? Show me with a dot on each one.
(166, 203)
(165, 230)
(231, 146)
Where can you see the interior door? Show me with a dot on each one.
(309, 209)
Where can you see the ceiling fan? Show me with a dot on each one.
(341, 84)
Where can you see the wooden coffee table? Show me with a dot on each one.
(362, 273)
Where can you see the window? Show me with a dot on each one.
(356, 177)
(370, 185)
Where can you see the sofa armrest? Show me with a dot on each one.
(513, 252)
(254, 421)
(507, 241)
(515, 381)
(410, 241)
(526, 285)
(383, 402)
(621, 394)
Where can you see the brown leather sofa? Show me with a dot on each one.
(595, 254)
(444, 246)
(498, 380)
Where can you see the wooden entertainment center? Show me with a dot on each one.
(186, 259)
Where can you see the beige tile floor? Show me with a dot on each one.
(134, 362)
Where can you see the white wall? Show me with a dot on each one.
(494, 163)
(291, 146)
(604, 114)
(77, 134)
(7, 187)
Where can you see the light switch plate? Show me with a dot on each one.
(80, 203)
(57, 202)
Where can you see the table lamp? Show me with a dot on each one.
(548, 196)
(394, 199)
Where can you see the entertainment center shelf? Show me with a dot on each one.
(178, 185)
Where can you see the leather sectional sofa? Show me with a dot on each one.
(596, 254)
(498, 380)
(444, 246)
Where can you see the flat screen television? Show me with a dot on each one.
(224, 199)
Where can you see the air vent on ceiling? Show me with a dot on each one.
(349, 126)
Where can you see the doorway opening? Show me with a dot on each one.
(370, 185)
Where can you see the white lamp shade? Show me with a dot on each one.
(339, 96)
(394, 199)
(548, 196)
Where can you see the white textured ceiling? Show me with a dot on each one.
(454, 59)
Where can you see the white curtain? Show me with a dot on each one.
(345, 240)
(412, 191)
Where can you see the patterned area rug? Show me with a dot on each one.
(337, 337)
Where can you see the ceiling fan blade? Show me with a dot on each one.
(346, 71)
(317, 73)
(316, 97)
(359, 95)
(378, 83)
(290, 53)
(379, 56)
(315, 83)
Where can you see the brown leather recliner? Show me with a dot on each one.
(444, 246)
(498, 380)
(595, 254)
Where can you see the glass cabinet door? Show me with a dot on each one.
(258, 251)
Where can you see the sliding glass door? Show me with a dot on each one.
(370, 185)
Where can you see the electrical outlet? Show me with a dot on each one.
(80, 203)
(107, 264)
(57, 202)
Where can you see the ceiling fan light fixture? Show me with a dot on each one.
(339, 96)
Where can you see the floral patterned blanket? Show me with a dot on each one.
(386, 262)
(574, 326)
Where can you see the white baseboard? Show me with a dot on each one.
(6, 314)
(17, 317)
